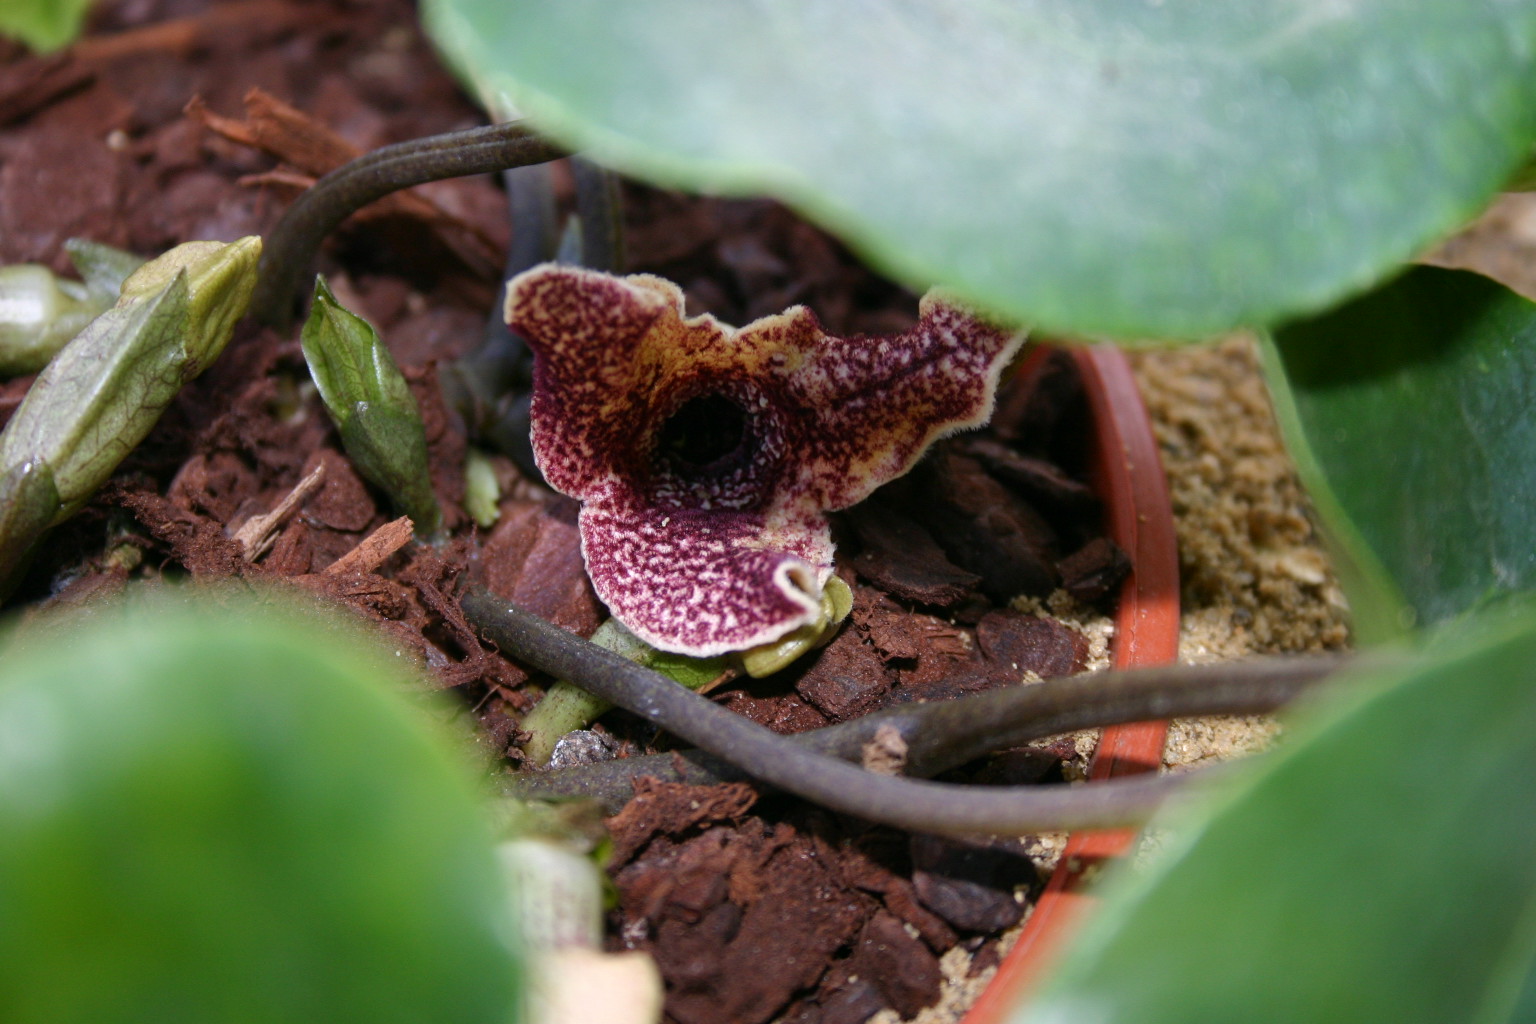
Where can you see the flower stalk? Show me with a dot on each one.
(566, 707)
(781, 762)
(373, 176)
(941, 735)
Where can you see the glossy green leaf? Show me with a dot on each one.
(43, 24)
(1155, 168)
(103, 268)
(1377, 868)
(1409, 413)
(216, 813)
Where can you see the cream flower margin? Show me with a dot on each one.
(706, 457)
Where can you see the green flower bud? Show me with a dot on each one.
(38, 314)
(105, 389)
(372, 406)
(39, 311)
(482, 493)
(220, 279)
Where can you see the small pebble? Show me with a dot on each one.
(582, 746)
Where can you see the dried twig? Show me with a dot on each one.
(257, 533)
(371, 552)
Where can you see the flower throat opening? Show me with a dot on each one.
(704, 431)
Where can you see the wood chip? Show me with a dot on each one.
(281, 130)
(374, 549)
(1094, 570)
(901, 557)
(179, 36)
(257, 533)
(30, 85)
(886, 753)
(1016, 644)
(985, 528)
(846, 679)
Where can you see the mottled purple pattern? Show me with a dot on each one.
(703, 582)
(701, 559)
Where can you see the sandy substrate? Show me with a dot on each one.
(1255, 578)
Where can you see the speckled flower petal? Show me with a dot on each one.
(878, 402)
(587, 331)
(704, 583)
(706, 456)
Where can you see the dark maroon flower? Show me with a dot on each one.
(705, 456)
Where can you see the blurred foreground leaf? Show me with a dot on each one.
(43, 24)
(1165, 169)
(1409, 414)
(221, 813)
(1376, 868)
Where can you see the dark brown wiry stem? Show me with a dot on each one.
(489, 386)
(824, 779)
(945, 734)
(290, 250)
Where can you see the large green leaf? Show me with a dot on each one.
(218, 814)
(1409, 412)
(1129, 167)
(1377, 868)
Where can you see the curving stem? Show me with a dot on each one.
(945, 734)
(290, 250)
(904, 802)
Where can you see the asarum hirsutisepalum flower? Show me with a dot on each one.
(706, 457)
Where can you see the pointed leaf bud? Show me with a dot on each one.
(372, 406)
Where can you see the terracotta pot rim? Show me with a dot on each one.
(1128, 474)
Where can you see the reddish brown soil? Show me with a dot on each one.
(753, 905)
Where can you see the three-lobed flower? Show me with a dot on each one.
(706, 457)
